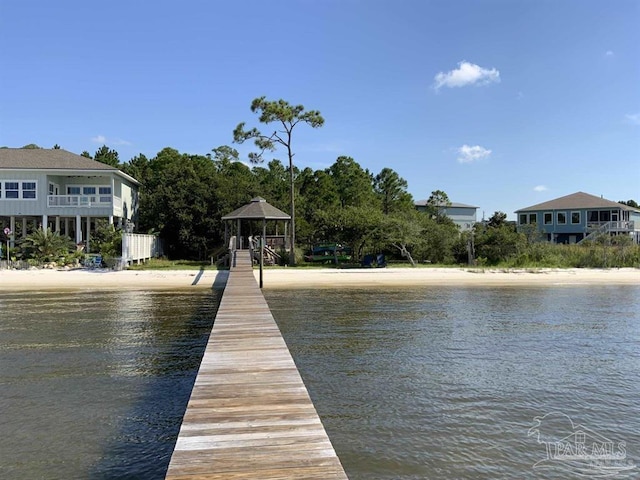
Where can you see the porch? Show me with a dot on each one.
(78, 227)
(110, 202)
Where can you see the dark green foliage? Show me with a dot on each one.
(498, 241)
(630, 203)
(105, 155)
(183, 198)
(45, 245)
(353, 185)
(391, 190)
(106, 240)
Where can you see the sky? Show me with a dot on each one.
(502, 104)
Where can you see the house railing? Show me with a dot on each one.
(611, 226)
(87, 201)
(598, 228)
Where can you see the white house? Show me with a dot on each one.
(461, 214)
(62, 191)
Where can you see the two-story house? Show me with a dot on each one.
(570, 219)
(62, 191)
(461, 214)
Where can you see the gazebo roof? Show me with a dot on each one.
(258, 209)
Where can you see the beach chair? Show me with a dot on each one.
(93, 261)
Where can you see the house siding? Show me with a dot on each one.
(24, 206)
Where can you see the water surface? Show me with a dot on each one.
(420, 383)
(445, 382)
(95, 384)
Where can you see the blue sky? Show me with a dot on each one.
(500, 103)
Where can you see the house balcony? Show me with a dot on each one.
(611, 226)
(86, 201)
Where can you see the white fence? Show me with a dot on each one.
(137, 247)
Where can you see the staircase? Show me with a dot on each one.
(612, 227)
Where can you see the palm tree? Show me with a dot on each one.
(45, 245)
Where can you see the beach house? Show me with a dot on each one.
(62, 191)
(461, 214)
(572, 218)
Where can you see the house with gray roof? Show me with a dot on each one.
(572, 218)
(57, 189)
(461, 214)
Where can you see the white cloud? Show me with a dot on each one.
(101, 139)
(609, 53)
(540, 188)
(468, 153)
(466, 74)
(633, 118)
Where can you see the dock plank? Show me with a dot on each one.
(250, 415)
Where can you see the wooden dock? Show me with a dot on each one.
(250, 415)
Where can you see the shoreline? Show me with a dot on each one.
(291, 278)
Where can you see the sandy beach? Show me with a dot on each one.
(36, 280)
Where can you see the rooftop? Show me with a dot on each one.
(578, 200)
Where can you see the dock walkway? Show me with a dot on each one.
(250, 415)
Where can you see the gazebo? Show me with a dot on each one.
(258, 209)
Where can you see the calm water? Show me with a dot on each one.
(94, 384)
(411, 383)
(446, 382)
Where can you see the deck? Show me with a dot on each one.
(250, 415)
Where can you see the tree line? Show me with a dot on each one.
(183, 197)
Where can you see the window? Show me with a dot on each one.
(548, 218)
(88, 190)
(105, 194)
(561, 218)
(575, 217)
(15, 190)
(593, 215)
(29, 190)
(73, 190)
(605, 216)
(12, 189)
(528, 218)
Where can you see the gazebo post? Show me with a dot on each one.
(263, 241)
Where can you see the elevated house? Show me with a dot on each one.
(62, 191)
(573, 218)
(462, 214)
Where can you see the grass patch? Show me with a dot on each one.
(164, 264)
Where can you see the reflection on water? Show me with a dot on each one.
(445, 382)
(410, 383)
(94, 384)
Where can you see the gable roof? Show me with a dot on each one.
(258, 209)
(52, 159)
(578, 200)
